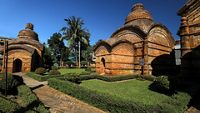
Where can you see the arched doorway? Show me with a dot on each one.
(103, 62)
(17, 65)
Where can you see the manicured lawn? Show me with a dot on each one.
(71, 70)
(129, 90)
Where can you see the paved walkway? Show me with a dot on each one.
(192, 110)
(57, 101)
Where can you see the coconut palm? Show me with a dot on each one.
(76, 35)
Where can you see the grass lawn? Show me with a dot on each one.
(71, 70)
(129, 90)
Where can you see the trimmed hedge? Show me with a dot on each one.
(54, 72)
(29, 100)
(12, 82)
(39, 77)
(78, 78)
(117, 105)
(8, 106)
(26, 96)
(40, 70)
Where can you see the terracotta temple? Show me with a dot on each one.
(25, 52)
(132, 48)
(190, 37)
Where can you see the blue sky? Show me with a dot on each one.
(101, 17)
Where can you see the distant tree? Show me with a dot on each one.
(58, 50)
(87, 54)
(47, 57)
(76, 35)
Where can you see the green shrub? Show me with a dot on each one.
(40, 70)
(29, 101)
(77, 78)
(26, 96)
(177, 105)
(8, 106)
(114, 104)
(12, 82)
(40, 78)
(162, 82)
(54, 72)
(54, 67)
(88, 69)
(108, 102)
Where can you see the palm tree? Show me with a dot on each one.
(76, 35)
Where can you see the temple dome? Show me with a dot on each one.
(28, 32)
(138, 12)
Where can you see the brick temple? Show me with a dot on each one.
(190, 38)
(24, 52)
(132, 48)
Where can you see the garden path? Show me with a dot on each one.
(57, 101)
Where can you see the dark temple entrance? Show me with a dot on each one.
(17, 65)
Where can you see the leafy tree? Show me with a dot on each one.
(76, 35)
(87, 54)
(47, 59)
(58, 50)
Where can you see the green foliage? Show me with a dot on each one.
(8, 106)
(29, 100)
(47, 57)
(112, 103)
(76, 35)
(58, 49)
(70, 63)
(162, 82)
(65, 71)
(54, 67)
(40, 78)
(12, 82)
(26, 96)
(87, 54)
(178, 104)
(84, 63)
(40, 71)
(54, 72)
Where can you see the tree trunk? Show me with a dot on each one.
(79, 54)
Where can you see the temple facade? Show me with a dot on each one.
(189, 32)
(135, 47)
(25, 52)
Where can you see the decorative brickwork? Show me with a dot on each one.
(132, 48)
(24, 52)
(190, 37)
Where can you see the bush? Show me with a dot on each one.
(8, 106)
(40, 78)
(29, 100)
(26, 95)
(88, 69)
(162, 82)
(77, 78)
(114, 104)
(54, 72)
(12, 82)
(40, 70)
(54, 67)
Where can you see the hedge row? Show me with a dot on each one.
(12, 82)
(116, 105)
(8, 106)
(78, 78)
(29, 101)
(41, 77)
